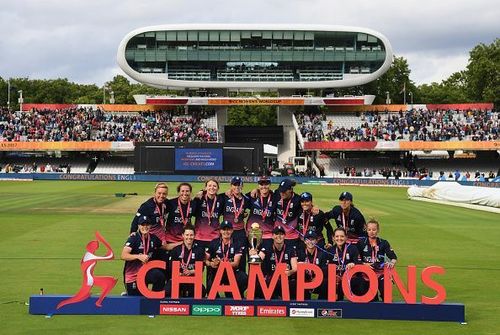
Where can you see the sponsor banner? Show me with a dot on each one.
(402, 145)
(122, 146)
(167, 101)
(206, 310)
(231, 310)
(172, 309)
(387, 145)
(301, 312)
(449, 145)
(271, 311)
(127, 108)
(344, 101)
(334, 146)
(28, 107)
(486, 105)
(198, 159)
(329, 313)
(55, 146)
(373, 108)
(257, 101)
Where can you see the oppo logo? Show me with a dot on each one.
(207, 310)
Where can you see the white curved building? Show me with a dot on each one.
(254, 56)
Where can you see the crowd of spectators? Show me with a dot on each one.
(85, 124)
(413, 125)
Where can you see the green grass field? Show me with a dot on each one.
(46, 225)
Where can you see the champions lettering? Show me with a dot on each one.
(407, 290)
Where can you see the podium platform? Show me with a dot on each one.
(123, 305)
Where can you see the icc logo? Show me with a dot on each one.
(87, 266)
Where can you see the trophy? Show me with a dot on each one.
(254, 237)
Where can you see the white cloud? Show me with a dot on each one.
(78, 39)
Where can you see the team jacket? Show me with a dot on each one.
(354, 223)
(139, 244)
(307, 221)
(158, 215)
(178, 216)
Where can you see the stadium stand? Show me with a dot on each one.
(87, 124)
(422, 125)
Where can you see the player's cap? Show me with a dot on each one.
(306, 196)
(237, 181)
(285, 185)
(144, 220)
(311, 234)
(279, 230)
(345, 196)
(264, 180)
(226, 225)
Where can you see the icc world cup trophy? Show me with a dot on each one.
(255, 237)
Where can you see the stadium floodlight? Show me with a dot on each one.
(8, 93)
(112, 98)
(387, 98)
(20, 100)
(104, 89)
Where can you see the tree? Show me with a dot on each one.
(251, 116)
(483, 73)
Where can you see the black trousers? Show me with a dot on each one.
(292, 286)
(155, 277)
(241, 280)
(185, 290)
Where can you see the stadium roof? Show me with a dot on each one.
(254, 56)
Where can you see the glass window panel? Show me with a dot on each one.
(309, 35)
(203, 36)
(256, 34)
(288, 35)
(171, 36)
(372, 39)
(150, 34)
(362, 37)
(224, 36)
(299, 35)
(182, 36)
(160, 36)
(267, 35)
(246, 34)
(214, 36)
(277, 35)
(192, 36)
(235, 36)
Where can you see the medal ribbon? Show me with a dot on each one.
(344, 224)
(279, 260)
(237, 212)
(285, 211)
(308, 260)
(314, 256)
(341, 262)
(225, 254)
(145, 243)
(184, 218)
(305, 223)
(264, 212)
(162, 219)
(374, 252)
(210, 212)
(185, 264)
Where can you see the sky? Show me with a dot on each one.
(78, 39)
